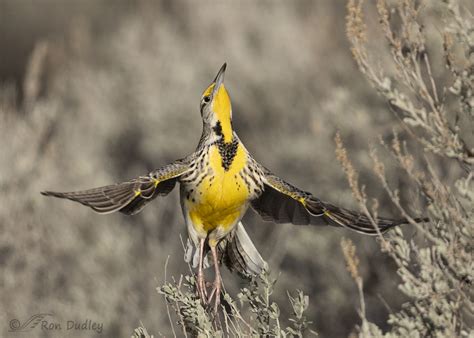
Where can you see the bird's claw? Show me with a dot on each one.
(215, 293)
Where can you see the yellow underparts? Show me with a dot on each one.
(221, 198)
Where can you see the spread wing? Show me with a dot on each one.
(281, 202)
(128, 197)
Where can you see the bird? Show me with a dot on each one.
(219, 182)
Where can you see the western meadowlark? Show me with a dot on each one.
(218, 183)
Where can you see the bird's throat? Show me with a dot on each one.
(222, 109)
(223, 129)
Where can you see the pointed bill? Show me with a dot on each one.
(219, 79)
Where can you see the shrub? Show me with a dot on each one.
(437, 110)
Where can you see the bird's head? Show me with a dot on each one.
(216, 109)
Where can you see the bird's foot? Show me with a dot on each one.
(216, 294)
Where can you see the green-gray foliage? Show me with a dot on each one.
(435, 268)
(254, 314)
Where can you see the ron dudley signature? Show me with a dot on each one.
(47, 322)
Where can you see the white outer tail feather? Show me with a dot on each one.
(239, 243)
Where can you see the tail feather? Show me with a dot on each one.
(241, 255)
(236, 251)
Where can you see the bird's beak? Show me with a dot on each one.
(219, 79)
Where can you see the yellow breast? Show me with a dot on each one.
(221, 198)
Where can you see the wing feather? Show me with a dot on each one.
(128, 197)
(282, 202)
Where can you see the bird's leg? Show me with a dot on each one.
(201, 284)
(216, 290)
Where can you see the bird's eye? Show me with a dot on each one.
(207, 99)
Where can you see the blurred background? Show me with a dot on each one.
(96, 92)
